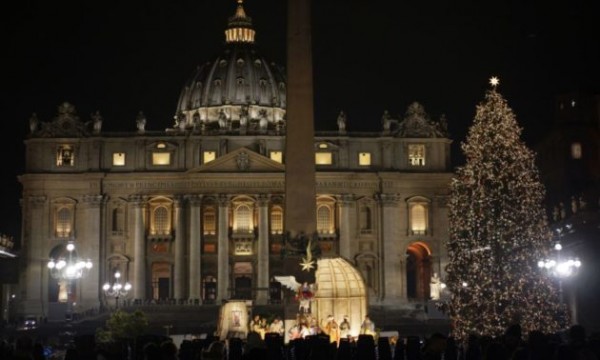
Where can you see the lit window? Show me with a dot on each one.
(416, 154)
(364, 159)
(277, 156)
(418, 219)
(63, 223)
(243, 219)
(118, 159)
(161, 221)
(65, 156)
(324, 220)
(208, 156)
(161, 158)
(161, 146)
(576, 150)
(276, 221)
(210, 221)
(322, 146)
(323, 158)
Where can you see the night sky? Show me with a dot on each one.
(369, 56)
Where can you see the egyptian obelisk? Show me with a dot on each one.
(300, 182)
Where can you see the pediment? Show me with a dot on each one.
(241, 160)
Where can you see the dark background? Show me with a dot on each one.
(369, 56)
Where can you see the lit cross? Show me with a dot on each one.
(494, 81)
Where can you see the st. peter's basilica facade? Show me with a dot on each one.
(194, 214)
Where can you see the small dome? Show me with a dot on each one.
(340, 292)
(238, 91)
(337, 278)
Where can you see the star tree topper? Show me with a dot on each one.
(494, 81)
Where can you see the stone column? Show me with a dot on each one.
(88, 247)
(391, 253)
(262, 262)
(195, 247)
(139, 248)
(345, 203)
(223, 253)
(180, 254)
(34, 279)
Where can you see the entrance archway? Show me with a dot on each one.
(418, 271)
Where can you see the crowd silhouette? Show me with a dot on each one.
(573, 344)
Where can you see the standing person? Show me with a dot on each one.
(332, 329)
(367, 327)
(345, 328)
(276, 326)
(263, 328)
(255, 324)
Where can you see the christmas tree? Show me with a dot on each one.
(498, 232)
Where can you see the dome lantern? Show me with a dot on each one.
(239, 29)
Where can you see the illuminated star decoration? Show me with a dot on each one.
(308, 263)
(494, 81)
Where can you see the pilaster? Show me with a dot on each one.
(346, 204)
(180, 260)
(139, 247)
(393, 282)
(223, 270)
(88, 247)
(262, 294)
(195, 247)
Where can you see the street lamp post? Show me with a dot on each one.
(561, 267)
(117, 289)
(68, 269)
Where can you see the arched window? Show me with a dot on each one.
(276, 220)
(262, 83)
(209, 221)
(418, 219)
(240, 87)
(324, 220)
(64, 223)
(161, 221)
(243, 219)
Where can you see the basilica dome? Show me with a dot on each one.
(239, 91)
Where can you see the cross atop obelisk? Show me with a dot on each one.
(300, 183)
